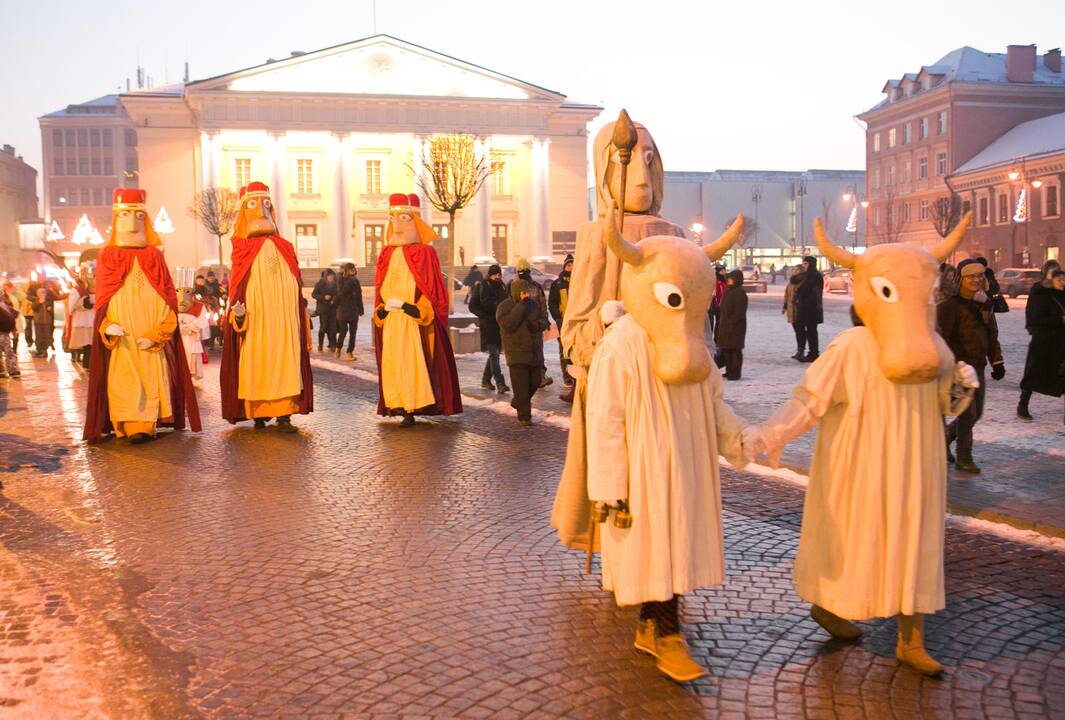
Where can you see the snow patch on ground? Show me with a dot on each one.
(1008, 532)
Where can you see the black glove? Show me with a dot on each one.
(381, 313)
(412, 310)
(86, 302)
(998, 371)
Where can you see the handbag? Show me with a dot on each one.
(999, 304)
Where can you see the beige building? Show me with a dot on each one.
(19, 227)
(334, 132)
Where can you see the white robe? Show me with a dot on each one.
(872, 526)
(662, 442)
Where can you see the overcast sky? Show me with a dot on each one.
(752, 84)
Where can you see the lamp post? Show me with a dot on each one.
(854, 197)
(756, 197)
(800, 192)
(697, 230)
(1021, 177)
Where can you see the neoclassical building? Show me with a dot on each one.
(334, 132)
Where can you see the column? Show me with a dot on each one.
(482, 245)
(342, 202)
(541, 204)
(277, 180)
(208, 242)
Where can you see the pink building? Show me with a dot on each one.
(936, 120)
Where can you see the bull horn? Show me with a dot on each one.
(946, 247)
(836, 254)
(626, 251)
(719, 247)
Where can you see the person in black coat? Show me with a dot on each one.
(809, 308)
(1043, 367)
(521, 325)
(325, 293)
(349, 308)
(557, 299)
(485, 298)
(731, 329)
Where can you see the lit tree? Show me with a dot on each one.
(216, 209)
(451, 172)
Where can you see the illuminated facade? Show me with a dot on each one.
(335, 131)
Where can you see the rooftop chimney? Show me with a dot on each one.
(1052, 59)
(1020, 63)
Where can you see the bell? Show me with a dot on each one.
(622, 517)
(602, 512)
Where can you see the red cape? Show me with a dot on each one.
(245, 250)
(444, 376)
(112, 266)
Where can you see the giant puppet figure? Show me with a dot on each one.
(266, 364)
(594, 290)
(415, 363)
(872, 530)
(138, 377)
(656, 423)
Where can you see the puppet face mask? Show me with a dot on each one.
(129, 228)
(404, 229)
(258, 211)
(184, 299)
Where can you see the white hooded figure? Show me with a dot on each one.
(656, 423)
(193, 323)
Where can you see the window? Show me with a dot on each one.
(97, 196)
(375, 240)
(876, 142)
(941, 164)
(499, 242)
(876, 178)
(59, 166)
(876, 216)
(305, 176)
(1003, 208)
(85, 196)
(69, 135)
(500, 181)
(891, 214)
(924, 209)
(96, 166)
(241, 172)
(922, 168)
(942, 128)
(307, 245)
(131, 138)
(891, 138)
(907, 134)
(373, 177)
(891, 176)
(107, 137)
(72, 167)
(966, 206)
(58, 198)
(906, 171)
(983, 213)
(109, 166)
(83, 166)
(922, 131)
(441, 231)
(1050, 201)
(57, 138)
(131, 162)
(83, 137)
(94, 137)
(906, 212)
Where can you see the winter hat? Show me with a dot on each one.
(736, 275)
(517, 287)
(493, 270)
(568, 260)
(970, 267)
(523, 264)
(810, 259)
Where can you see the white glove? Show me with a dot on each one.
(965, 376)
(393, 304)
(611, 311)
(239, 310)
(145, 343)
(114, 330)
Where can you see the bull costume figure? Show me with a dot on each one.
(656, 423)
(873, 520)
(266, 340)
(415, 363)
(138, 377)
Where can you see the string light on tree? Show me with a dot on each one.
(54, 233)
(852, 221)
(162, 223)
(83, 231)
(1021, 215)
(95, 238)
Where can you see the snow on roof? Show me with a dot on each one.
(1045, 136)
(92, 107)
(764, 175)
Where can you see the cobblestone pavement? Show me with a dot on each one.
(357, 569)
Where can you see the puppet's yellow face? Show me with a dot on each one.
(185, 297)
(129, 228)
(404, 229)
(258, 216)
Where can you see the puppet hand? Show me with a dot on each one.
(998, 371)
(411, 310)
(393, 304)
(611, 311)
(965, 376)
(145, 343)
(239, 310)
(114, 330)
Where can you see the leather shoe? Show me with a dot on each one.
(967, 466)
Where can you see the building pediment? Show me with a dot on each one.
(376, 66)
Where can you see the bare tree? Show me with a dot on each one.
(216, 209)
(451, 172)
(945, 212)
(894, 220)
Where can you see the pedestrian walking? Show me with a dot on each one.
(485, 298)
(349, 308)
(80, 318)
(789, 311)
(521, 325)
(325, 309)
(968, 326)
(732, 328)
(773, 273)
(809, 308)
(26, 310)
(1044, 366)
(8, 359)
(715, 299)
(557, 299)
(536, 292)
(43, 320)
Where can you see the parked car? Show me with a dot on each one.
(1017, 281)
(839, 280)
(750, 273)
(545, 279)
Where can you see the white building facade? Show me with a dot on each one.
(334, 132)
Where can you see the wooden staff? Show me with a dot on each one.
(624, 139)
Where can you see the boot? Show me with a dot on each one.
(910, 649)
(487, 386)
(349, 356)
(1022, 407)
(139, 438)
(408, 420)
(966, 465)
(260, 423)
(567, 397)
(645, 637)
(674, 661)
(502, 389)
(284, 424)
(836, 626)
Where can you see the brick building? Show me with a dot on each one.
(18, 210)
(934, 121)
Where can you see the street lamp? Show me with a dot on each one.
(1022, 214)
(697, 230)
(854, 197)
(756, 197)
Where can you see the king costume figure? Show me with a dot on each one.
(266, 364)
(415, 363)
(138, 376)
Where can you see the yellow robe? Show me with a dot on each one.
(269, 379)
(405, 380)
(138, 384)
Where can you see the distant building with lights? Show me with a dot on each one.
(925, 136)
(19, 224)
(779, 208)
(333, 133)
